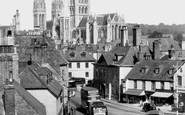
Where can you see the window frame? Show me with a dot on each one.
(86, 74)
(78, 65)
(86, 65)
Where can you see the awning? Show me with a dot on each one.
(136, 92)
(162, 94)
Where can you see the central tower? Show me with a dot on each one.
(39, 14)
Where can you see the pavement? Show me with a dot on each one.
(166, 109)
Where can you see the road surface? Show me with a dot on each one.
(114, 108)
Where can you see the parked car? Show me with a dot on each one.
(147, 107)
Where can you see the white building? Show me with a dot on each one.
(80, 64)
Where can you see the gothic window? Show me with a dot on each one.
(40, 20)
(157, 70)
(43, 21)
(86, 10)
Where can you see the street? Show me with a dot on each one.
(114, 108)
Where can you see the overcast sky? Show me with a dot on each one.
(134, 11)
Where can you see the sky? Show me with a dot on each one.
(134, 11)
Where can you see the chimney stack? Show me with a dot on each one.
(156, 51)
(122, 38)
(9, 96)
(136, 35)
(171, 53)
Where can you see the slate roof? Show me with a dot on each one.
(165, 43)
(53, 57)
(49, 25)
(83, 22)
(151, 65)
(31, 100)
(23, 65)
(30, 79)
(78, 56)
(101, 19)
(126, 52)
(39, 107)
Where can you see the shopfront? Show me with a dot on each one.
(133, 96)
(162, 98)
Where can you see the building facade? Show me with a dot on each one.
(102, 28)
(39, 14)
(80, 64)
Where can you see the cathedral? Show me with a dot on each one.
(71, 22)
(66, 15)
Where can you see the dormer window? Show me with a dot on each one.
(157, 70)
(115, 58)
(83, 55)
(143, 70)
(72, 55)
(170, 71)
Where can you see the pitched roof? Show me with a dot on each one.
(83, 22)
(166, 43)
(23, 65)
(100, 18)
(125, 52)
(30, 79)
(79, 56)
(39, 107)
(150, 66)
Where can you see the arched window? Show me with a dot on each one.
(43, 20)
(40, 20)
(86, 10)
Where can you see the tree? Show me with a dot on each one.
(178, 37)
(155, 34)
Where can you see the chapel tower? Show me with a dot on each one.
(39, 14)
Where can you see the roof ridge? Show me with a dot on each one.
(41, 109)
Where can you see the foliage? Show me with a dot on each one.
(155, 34)
(162, 28)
